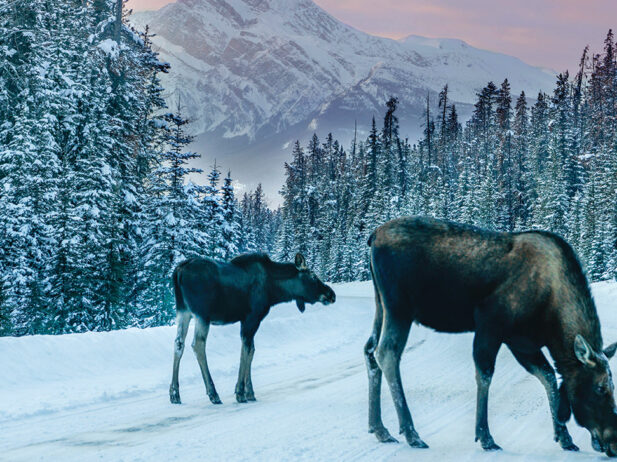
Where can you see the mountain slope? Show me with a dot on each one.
(254, 75)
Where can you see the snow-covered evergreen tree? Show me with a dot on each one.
(552, 166)
(99, 199)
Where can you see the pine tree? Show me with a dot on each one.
(174, 231)
(521, 165)
(389, 177)
(503, 114)
(230, 219)
(372, 191)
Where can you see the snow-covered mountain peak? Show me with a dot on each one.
(245, 12)
(254, 75)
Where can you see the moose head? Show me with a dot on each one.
(590, 394)
(306, 287)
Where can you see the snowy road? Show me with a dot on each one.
(104, 396)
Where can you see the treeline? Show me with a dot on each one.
(513, 166)
(95, 204)
(99, 199)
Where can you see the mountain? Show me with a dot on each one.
(255, 75)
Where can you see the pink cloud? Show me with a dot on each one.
(550, 33)
(147, 4)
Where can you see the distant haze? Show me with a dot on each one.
(547, 33)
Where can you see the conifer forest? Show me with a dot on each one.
(100, 199)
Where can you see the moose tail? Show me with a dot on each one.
(371, 239)
(180, 306)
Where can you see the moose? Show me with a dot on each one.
(242, 290)
(526, 290)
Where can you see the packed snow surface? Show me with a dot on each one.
(104, 396)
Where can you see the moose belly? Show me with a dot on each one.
(228, 308)
(523, 344)
(228, 313)
(446, 316)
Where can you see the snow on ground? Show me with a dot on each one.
(104, 396)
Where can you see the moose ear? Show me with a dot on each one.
(300, 262)
(610, 350)
(583, 351)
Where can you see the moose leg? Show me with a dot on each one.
(537, 365)
(485, 349)
(248, 383)
(240, 394)
(244, 386)
(391, 344)
(199, 347)
(375, 424)
(183, 319)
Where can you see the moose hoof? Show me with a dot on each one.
(383, 435)
(414, 440)
(214, 399)
(174, 396)
(241, 398)
(418, 443)
(251, 398)
(564, 439)
(570, 447)
(492, 447)
(488, 444)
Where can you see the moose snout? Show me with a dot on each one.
(605, 441)
(611, 449)
(328, 298)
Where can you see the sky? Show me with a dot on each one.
(547, 33)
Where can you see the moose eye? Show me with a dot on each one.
(600, 390)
